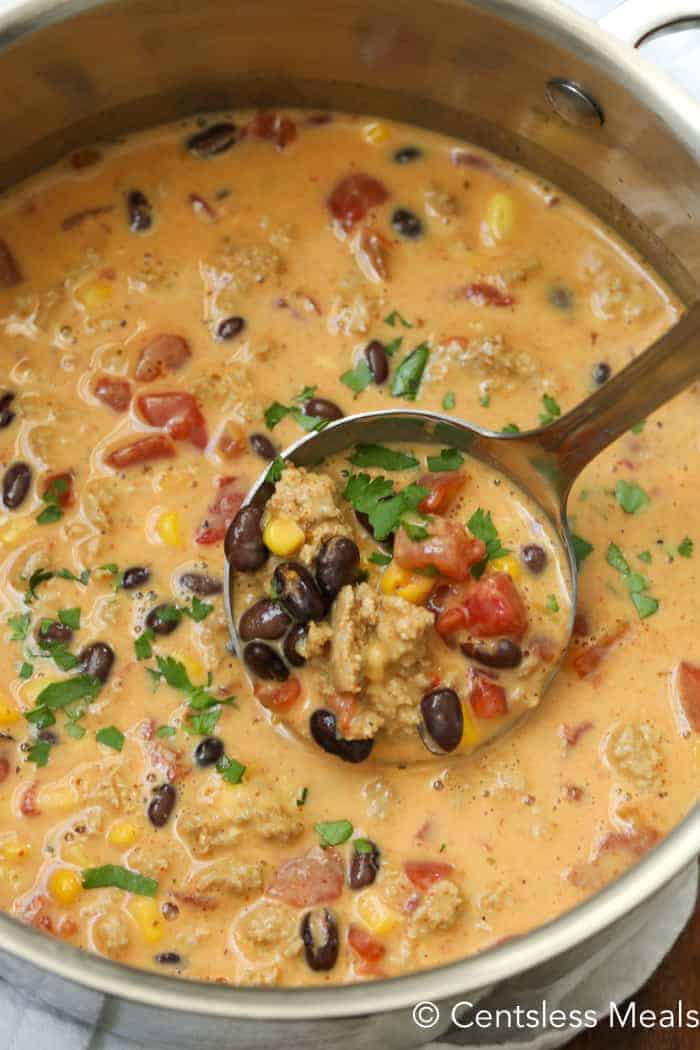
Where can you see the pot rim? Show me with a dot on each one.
(548, 19)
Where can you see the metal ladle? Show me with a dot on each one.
(543, 463)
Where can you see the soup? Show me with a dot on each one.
(176, 308)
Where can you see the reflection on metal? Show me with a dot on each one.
(573, 104)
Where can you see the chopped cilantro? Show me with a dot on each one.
(379, 558)
(357, 378)
(175, 674)
(165, 731)
(406, 379)
(203, 723)
(61, 655)
(582, 548)
(230, 770)
(197, 610)
(304, 394)
(616, 558)
(110, 736)
(275, 470)
(333, 832)
(363, 845)
(60, 694)
(638, 427)
(41, 718)
(630, 496)
(120, 878)
(449, 401)
(485, 400)
(551, 411)
(143, 645)
(111, 567)
(481, 525)
(685, 548)
(449, 459)
(637, 584)
(74, 730)
(50, 514)
(70, 617)
(39, 753)
(26, 671)
(644, 604)
(510, 428)
(381, 457)
(645, 556)
(275, 413)
(19, 623)
(52, 498)
(40, 576)
(376, 498)
(552, 603)
(395, 344)
(395, 316)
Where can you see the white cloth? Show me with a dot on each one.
(612, 976)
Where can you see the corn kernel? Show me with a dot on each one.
(378, 916)
(376, 132)
(75, 853)
(148, 918)
(470, 732)
(506, 563)
(14, 849)
(417, 589)
(394, 577)
(95, 295)
(168, 528)
(11, 532)
(58, 796)
(123, 833)
(500, 216)
(283, 537)
(64, 886)
(8, 714)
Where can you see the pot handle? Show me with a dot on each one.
(635, 21)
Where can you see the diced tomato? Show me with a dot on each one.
(144, 450)
(278, 697)
(177, 413)
(315, 878)
(113, 392)
(570, 735)
(425, 873)
(488, 699)
(448, 548)
(67, 927)
(61, 486)
(588, 659)
(27, 804)
(449, 621)
(273, 127)
(163, 353)
(483, 293)
(494, 608)
(688, 682)
(443, 487)
(353, 197)
(367, 947)
(221, 512)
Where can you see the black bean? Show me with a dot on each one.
(378, 361)
(15, 485)
(215, 139)
(163, 619)
(336, 565)
(230, 327)
(323, 730)
(139, 211)
(161, 805)
(296, 589)
(169, 911)
(262, 446)
(387, 544)
(406, 224)
(264, 619)
(53, 631)
(290, 647)
(96, 659)
(502, 653)
(364, 868)
(407, 154)
(48, 736)
(135, 576)
(322, 408)
(6, 413)
(209, 751)
(243, 545)
(560, 297)
(324, 954)
(168, 958)
(264, 662)
(443, 717)
(601, 373)
(534, 558)
(200, 583)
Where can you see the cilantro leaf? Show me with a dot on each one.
(165, 731)
(645, 556)
(73, 729)
(685, 548)
(275, 413)
(395, 316)
(357, 378)
(551, 411)
(510, 428)
(379, 558)
(120, 878)
(110, 736)
(481, 525)
(203, 723)
(582, 548)
(60, 694)
(143, 645)
(19, 623)
(26, 671)
(552, 603)
(70, 617)
(50, 514)
(644, 604)
(448, 402)
(448, 459)
(39, 753)
(231, 770)
(381, 457)
(407, 377)
(630, 496)
(616, 558)
(638, 427)
(333, 832)
(363, 845)
(198, 610)
(40, 576)
(395, 344)
(275, 470)
(637, 584)
(375, 497)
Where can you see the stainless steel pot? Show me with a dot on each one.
(487, 70)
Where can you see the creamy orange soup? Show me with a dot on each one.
(178, 307)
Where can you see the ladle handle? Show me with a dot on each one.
(654, 377)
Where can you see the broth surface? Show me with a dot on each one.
(243, 273)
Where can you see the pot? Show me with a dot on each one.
(487, 70)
